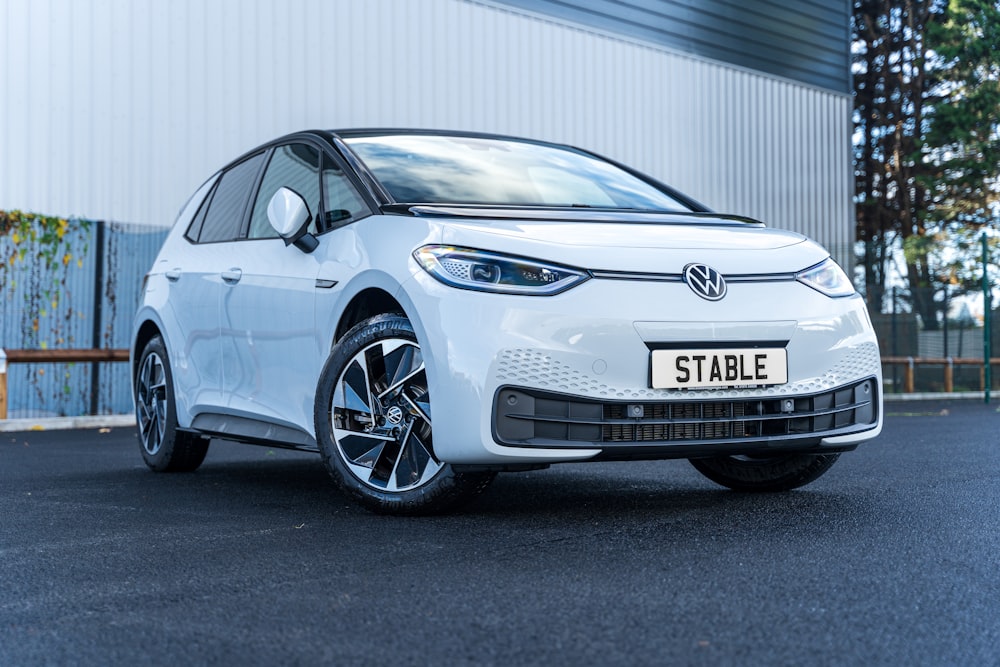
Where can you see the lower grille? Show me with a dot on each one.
(673, 421)
(532, 418)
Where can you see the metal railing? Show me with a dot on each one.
(948, 370)
(51, 356)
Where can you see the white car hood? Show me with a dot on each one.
(648, 247)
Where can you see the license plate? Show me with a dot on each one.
(737, 367)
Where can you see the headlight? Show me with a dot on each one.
(492, 272)
(827, 277)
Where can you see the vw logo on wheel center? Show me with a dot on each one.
(705, 281)
(394, 415)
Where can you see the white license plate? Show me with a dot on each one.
(737, 367)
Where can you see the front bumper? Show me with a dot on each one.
(588, 349)
(685, 429)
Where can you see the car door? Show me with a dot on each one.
(276, 344)
(195, 278)
(272, 348)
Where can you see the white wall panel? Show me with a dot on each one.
(118, 109)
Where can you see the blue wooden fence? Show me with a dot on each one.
(87, 302)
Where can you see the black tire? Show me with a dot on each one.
(164, 448)
(765, 474)
(373, 424)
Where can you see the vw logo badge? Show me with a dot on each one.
(394, 415)
(705, 281)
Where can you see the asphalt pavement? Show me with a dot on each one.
(891, 558)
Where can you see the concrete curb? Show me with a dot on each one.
(938, 396)
(65, 423)
(128, 421)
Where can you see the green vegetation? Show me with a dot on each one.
(44, 246)
(927, 144)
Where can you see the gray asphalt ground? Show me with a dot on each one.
(891, 558)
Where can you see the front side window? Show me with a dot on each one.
(440, 169)
(225, 211)
(341, 202)
(293, 166)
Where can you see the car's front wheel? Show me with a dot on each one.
(164, 447)
(373, 424)
(765, 473)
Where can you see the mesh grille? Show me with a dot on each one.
(715, 422)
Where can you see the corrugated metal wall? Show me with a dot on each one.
(118, 109)
(57, 309)
(806, 40)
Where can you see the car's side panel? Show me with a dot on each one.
(278, 319)
(271, 348)
(192, 281)
(181, 298)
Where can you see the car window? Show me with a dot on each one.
(341, 202)
(194, 229)
(555, 187)
(293, 166)
(440, 169)
(193, 212)
(225, 211)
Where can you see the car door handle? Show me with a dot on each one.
(232, 276)
(173, 275)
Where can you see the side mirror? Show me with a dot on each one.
(289, 214)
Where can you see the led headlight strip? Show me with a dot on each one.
(468, 268)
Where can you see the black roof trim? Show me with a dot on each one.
(565, 213)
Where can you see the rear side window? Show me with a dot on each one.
(193, 212)
(194, 229)
(225, 210)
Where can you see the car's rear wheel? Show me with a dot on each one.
(373, 424)
(765, 473)
(164, 448)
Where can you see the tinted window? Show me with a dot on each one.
(194, 230)
(341, 202)
(477, 170)
(294, 166)
(193, 213)
(225, 211)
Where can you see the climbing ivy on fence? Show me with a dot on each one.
(37, 253)
(46, 247)
(46, 232)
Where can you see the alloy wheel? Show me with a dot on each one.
(151, 403)
(381, 417)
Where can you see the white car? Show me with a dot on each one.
(426, 309)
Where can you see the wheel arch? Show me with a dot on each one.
(367, 303)
(374, 299)
(145, 333)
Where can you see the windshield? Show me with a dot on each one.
(436, 169)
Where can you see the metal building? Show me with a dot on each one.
(118, 109)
